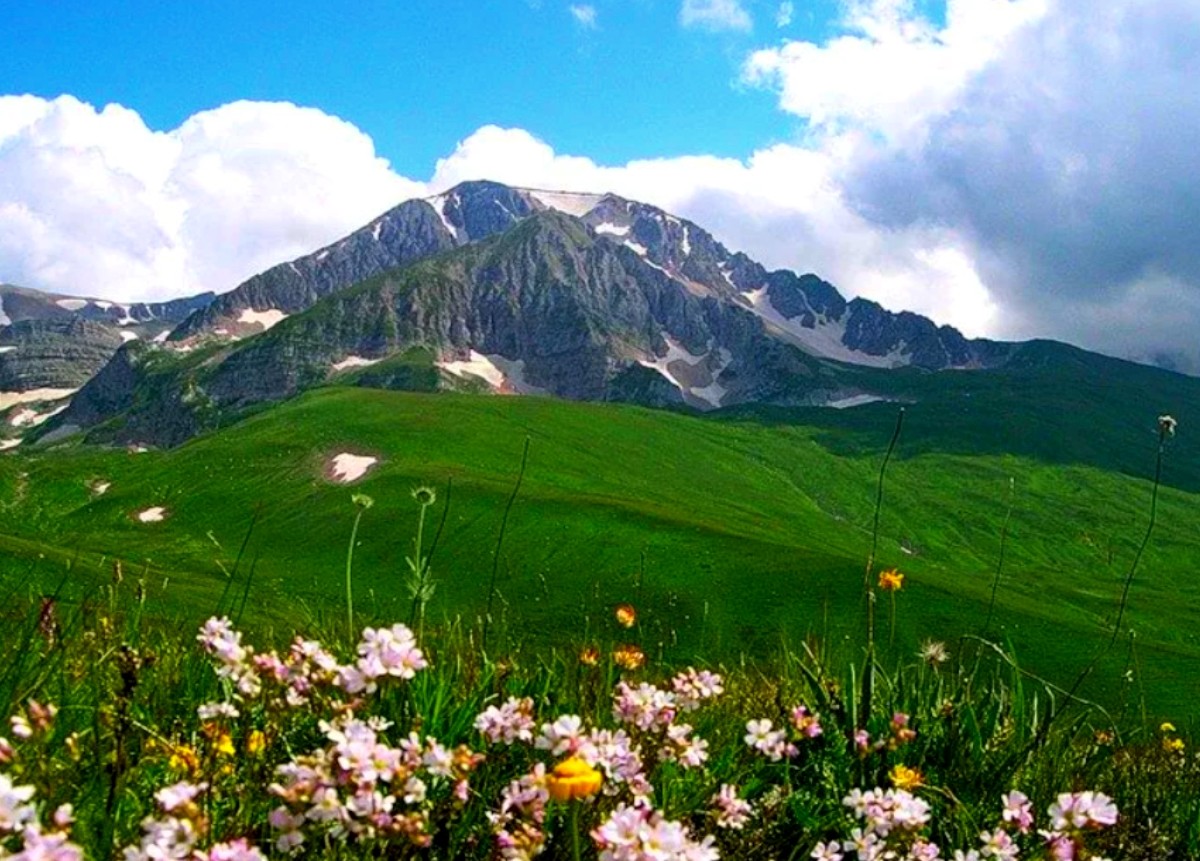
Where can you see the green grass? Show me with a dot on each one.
(734, 536)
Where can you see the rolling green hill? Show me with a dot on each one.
(732, 533)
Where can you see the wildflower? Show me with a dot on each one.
(15, 809)
(361, 500)
(626, 615)
(1167, 425)
(644, 706)
(891, 580)
(770, 742)
(589, 656)
(223, 744)
(862, 742)
(212, 711)
(565, 735)
(1079, 810)
(831, 851)
(183, 758)
(933, 653)
(805, 722)
(425, 496)
(903, 777)
(1018, 811)
(731, 812)
(692, 687)
(629, 657)
(179, 797)
(236, 850)
(1166, 727)
(255, 742)
(509, 723)
(573, 779)
(999, 845)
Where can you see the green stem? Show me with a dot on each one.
(349, 568)
(576, 850)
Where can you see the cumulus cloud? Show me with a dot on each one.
(1050, 141)
(715, 15)
(585, 14)
(783, 15)
(93, 201)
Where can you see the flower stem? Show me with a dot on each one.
(576, 850)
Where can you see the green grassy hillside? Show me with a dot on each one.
(730, 535)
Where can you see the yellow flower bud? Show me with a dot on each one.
(573, 778)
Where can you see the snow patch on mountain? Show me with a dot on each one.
(7, 349)
(347, 467)
(4, 318)
(854, 401)
(640, 250)
(573, 203)
(686, 244)
(266, 319)
(825, 339)
(71, 304)
(8, 399)
(514, 376)
(690, 374)
(6, 444)
(612, 229)
(477, 365)
(353, 362)
(439, 206)
(126, 337)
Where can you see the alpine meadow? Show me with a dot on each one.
(562, 509)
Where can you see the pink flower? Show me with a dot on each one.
(731, 811)
(565, 735)
(172, 798)
(1018, 811)
(510, 723)
(236, 850)
(805, 722)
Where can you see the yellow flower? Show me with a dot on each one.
(223, 744)
(628, 657)
(903, 777)
(1174, 745)
(183, 758)
(1167, 727)
(891, 580)
(573, 778)
(255, 742)
(626, 615)
(590, 656)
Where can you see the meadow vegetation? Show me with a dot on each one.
(718, 679)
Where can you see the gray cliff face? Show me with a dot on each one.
(53, 341)
(53, 354)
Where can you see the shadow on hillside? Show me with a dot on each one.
(1056, 404)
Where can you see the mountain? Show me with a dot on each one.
(581, 296)
(802, 310)
(50, 344)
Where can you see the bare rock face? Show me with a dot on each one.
(59, 342)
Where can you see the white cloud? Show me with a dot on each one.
(585, 14)
(785, 13)
(715, 15)
(95, 202)
(1051, 141)
(782, 206)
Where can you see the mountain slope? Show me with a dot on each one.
(745, 530)
(805, 311)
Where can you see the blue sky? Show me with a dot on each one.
(1016, 168)
(419, 75)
